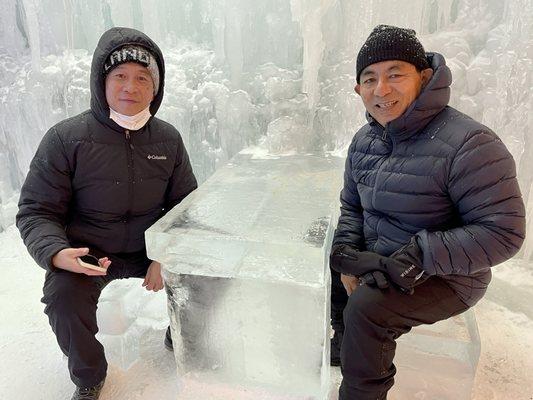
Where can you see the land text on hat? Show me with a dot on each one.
(137, 54)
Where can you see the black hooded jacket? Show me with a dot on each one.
(93, 183)
(438, 175)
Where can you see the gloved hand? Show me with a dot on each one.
(374, 278)
(402, 267)
(346, 259)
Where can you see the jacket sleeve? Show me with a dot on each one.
(182, 182)
(482, 185)
(350, 226)
(44, 200)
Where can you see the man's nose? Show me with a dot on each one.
(130, 86)
(382, 88)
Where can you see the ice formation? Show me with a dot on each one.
(273, 76)
(273, 73)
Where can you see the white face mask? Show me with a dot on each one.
(133, 122)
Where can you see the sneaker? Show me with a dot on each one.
(91, 393)
(335, 352)
(168, 340)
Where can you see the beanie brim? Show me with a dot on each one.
(387, 43)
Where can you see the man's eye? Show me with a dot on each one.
(368, 81)
(119, 76)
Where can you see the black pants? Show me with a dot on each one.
(373, 320)
(339, 298)
(71, 300)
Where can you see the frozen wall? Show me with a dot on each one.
(278, 74)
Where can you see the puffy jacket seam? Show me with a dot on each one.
(63, 151)
(469, 136)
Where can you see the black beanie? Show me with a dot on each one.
(388, 42)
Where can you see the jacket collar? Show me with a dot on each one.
(432, 100)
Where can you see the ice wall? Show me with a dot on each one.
(274, 73)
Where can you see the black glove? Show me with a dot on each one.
(374, 278)
(348, 260)
(344, 259)
(402, 267)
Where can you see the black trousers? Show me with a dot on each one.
(71, 301)
(373, 320)
(339, 298)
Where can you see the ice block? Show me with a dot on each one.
(126, 314)
(436, 361)
(245, 268)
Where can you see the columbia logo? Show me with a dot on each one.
(154, 157)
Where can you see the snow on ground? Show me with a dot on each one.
(33, 367)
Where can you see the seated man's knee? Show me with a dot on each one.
(366, 304)
(69, 293)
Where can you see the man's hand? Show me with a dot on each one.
(67, 259)
(153, 280)
(350, 283)
(402, 268)
(374, 278)
(345, 259)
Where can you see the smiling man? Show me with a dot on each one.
(96, 183)
(430, 203)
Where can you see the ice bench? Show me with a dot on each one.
(127, 315)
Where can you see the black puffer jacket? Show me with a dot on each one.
(94, 183)
(436, 174)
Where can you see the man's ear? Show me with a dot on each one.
(357, 89)
(426, 75)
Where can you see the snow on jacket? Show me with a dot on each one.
(93, 183)
(436, 174)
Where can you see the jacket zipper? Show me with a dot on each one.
(374, 190)
(126, 218)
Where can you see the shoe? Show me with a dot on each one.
(91, 393)
(335, 352)
(168, 340)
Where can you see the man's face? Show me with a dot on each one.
(388, 88)
(129, 88)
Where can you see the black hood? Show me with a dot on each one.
(431, 100)
(109, 42)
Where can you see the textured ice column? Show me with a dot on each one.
(245, 267)
(309, 15)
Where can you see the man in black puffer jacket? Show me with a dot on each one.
(96, 183)
(430, 203)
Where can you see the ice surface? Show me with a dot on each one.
(246, 272)
(249, 215)
(128, 313)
